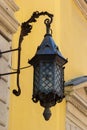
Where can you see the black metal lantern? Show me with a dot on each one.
(48, 83)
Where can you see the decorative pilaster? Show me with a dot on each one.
(8, 23)
(8, 26)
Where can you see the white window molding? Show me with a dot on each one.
(76, 106)
(8, 26)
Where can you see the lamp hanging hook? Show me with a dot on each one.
(48, 22)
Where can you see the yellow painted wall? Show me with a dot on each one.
(69, 32)
(73, 39)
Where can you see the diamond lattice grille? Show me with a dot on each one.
(36, 77)
(58, 79)
(46, 76)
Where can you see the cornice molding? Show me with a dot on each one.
(76, 106)
(75, 118)
(72, 95)
(82, 4)
(8, 22)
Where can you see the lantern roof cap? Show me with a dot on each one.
(48, 46)
(47, 49)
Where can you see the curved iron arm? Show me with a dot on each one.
(25, 29)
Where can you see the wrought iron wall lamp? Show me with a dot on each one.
(48, 83)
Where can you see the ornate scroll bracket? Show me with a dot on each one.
(26, 28)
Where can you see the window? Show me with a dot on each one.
(76, 104)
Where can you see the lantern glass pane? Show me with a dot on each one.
(48, 82)
(46, 77)
(59, 80)
(36, 78)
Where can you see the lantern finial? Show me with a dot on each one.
(47, 114)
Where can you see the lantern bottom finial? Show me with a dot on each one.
(47, 114)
